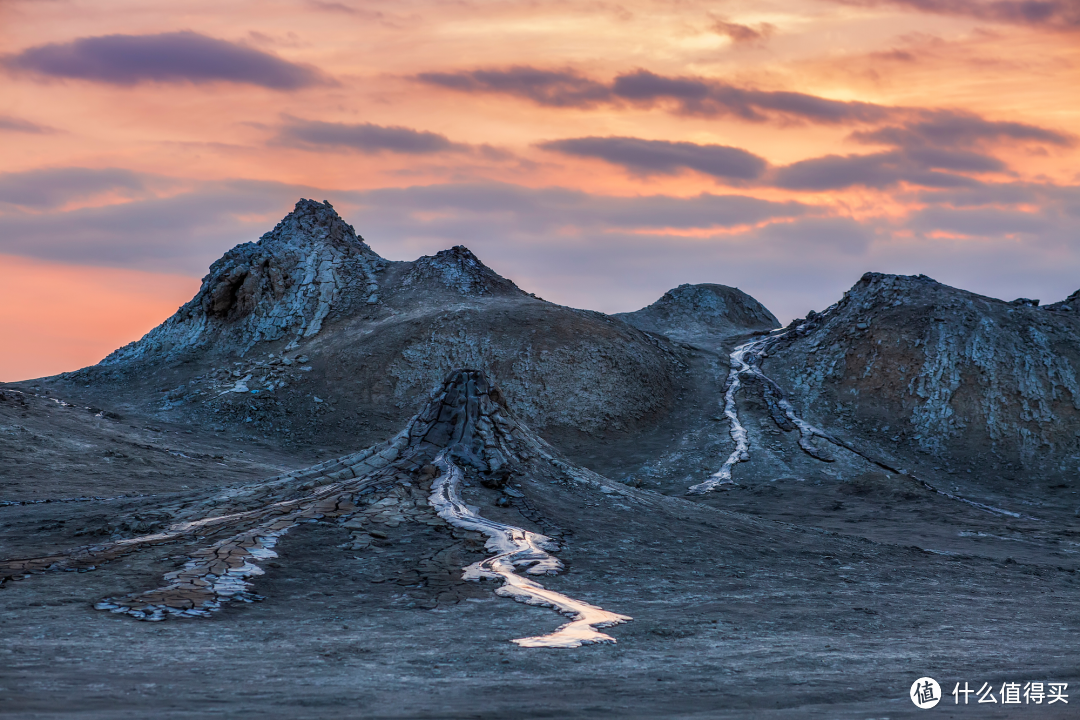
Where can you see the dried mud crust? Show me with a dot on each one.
(733, 618)
(466, 424)
(55, 450)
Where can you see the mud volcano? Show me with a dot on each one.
(801, 521)
(466, 430)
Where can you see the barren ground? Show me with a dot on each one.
(821, 593)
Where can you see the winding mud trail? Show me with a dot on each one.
(745, 361)
(466, 424)
(741, 453)
(517, 548)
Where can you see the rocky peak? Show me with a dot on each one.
(1069, 304)
(947, 372)
(878, 293)
(702, 314)
(284, 285)
(459, 269)
(313, 222)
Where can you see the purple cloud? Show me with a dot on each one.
(53, 187)
(501, 210)
(983, 222)
(14, 124)
(882, 170)
(741, 34)
(922, 165)
(554, 88)
(663, 157)
(688, 95)
(951, 128)
(712, 98)
(363, 137)
(1055, 14)
(174, 57)
(332, 7)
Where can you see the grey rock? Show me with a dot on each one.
(460, 270)
(989, 383)
(703, 314)
(284, 285)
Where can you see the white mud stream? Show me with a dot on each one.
(741, 453)
(518, 548)
(745, 362)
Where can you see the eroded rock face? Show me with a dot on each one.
(460, 270)
(915, 365)
(309, 336)
(284, 285)
(559, 366)
(703, 314)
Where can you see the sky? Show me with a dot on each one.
(597, 153)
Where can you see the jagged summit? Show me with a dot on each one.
(876, 292)
(1069, 304)
(923, 367)
(284, 285)
(702, 314)
(286, 331)
(459, 269)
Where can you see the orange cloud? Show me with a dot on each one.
(894, 140)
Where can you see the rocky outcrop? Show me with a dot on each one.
(559, 366)
(1070, 304)
(917, 366)
(283, 286)
(703, 314)
(458, 269)
(375, 335)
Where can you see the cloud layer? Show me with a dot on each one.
(664, 157)
(363, 137)
(53, 187)
(951, 128)
(173, 57)
(685, 95)
(1056, 14)
(14, 124)
(934, 149)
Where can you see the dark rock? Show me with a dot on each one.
(703, 315)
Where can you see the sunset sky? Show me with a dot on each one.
(597, 153)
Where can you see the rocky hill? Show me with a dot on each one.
(914, 368)
(705, 315)
(309, 337)
(282, 286)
